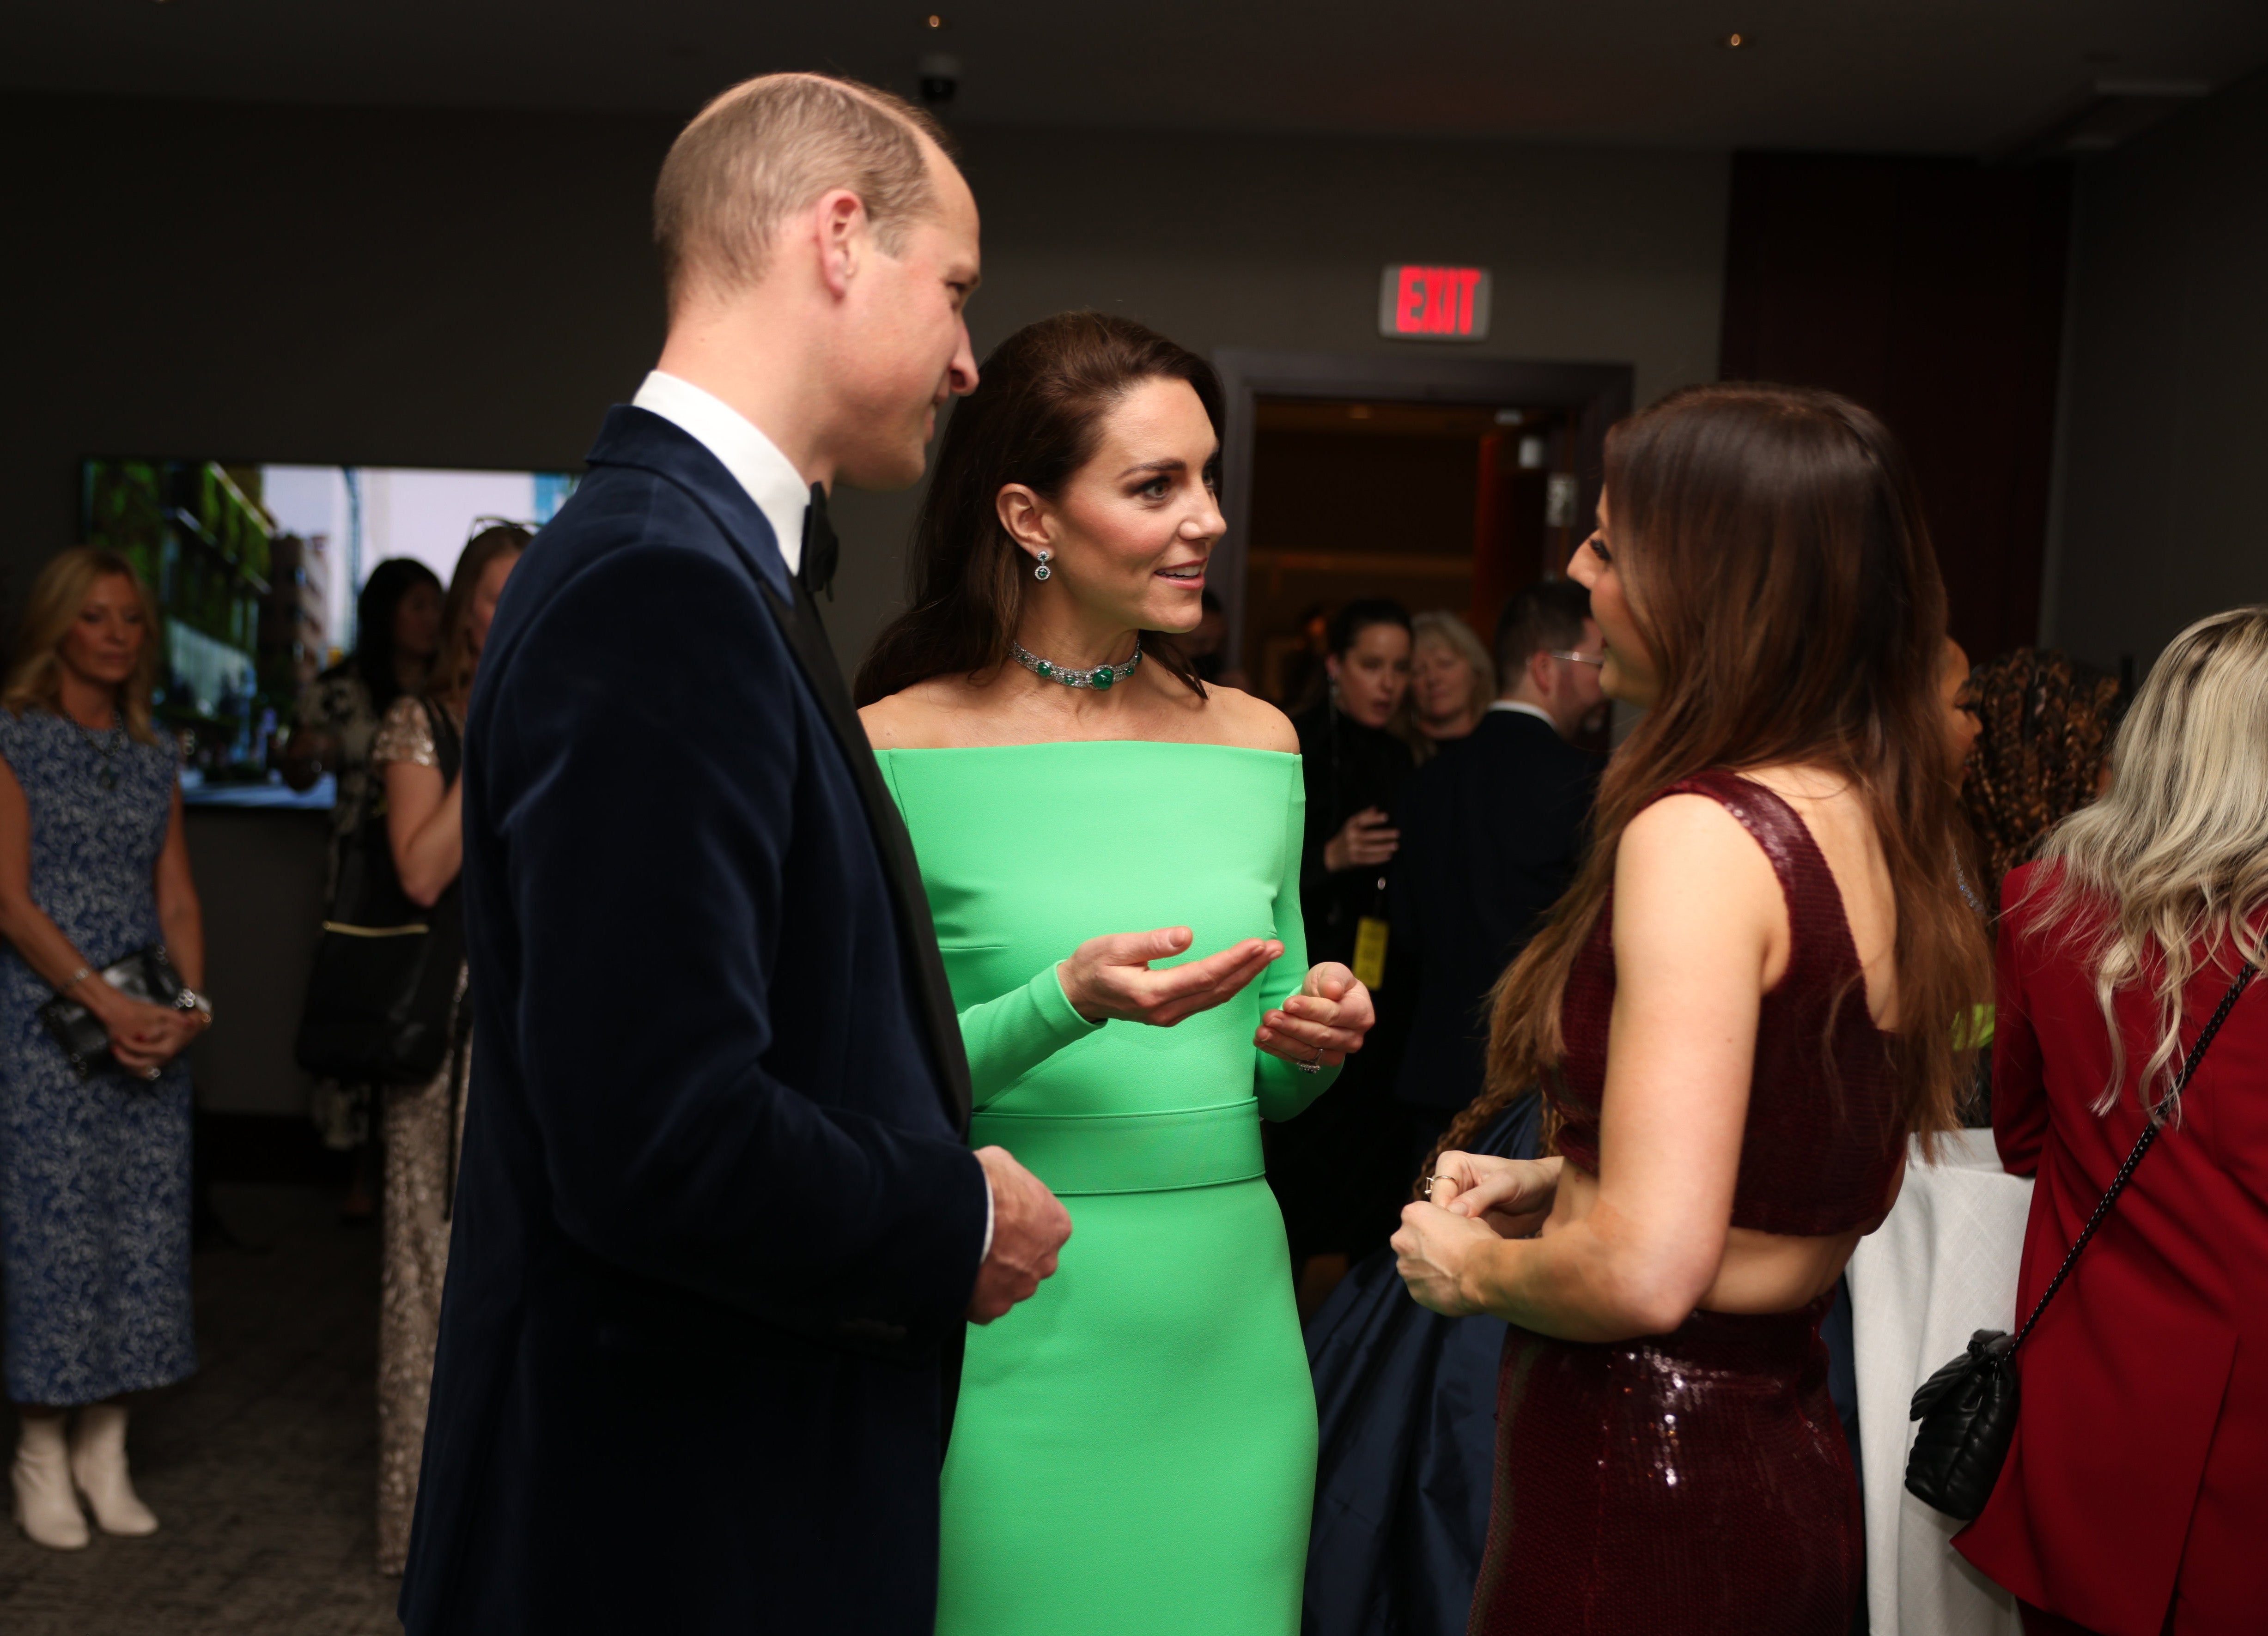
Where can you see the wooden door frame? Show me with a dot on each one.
(1600, 394)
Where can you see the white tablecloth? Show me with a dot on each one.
(1943, 1265)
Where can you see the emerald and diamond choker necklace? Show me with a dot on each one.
(1102, 678)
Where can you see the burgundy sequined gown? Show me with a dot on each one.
(1698, 1481)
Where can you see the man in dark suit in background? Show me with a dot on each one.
(717, 1231)
(1492, 831)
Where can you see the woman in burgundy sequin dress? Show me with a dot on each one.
(1739, 1012)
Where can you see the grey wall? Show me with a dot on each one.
(313, 285)
(2159, 511)
(444, 288)
(259, 878)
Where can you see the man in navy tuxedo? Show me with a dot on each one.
(1492, 831)
(717, 1231)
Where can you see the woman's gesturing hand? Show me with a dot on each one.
(1476, 1198)
(1323, 1023)
(1109, 977)
(1513, 1196)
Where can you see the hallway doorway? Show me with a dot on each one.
(1443, 507)
(1444, 482)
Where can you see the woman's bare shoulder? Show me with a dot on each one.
(1686, 837)
(924, 716)
(1236, 717)
(1695, 899)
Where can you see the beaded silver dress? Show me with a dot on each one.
(422, 1126)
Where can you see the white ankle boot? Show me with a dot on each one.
(97, 1467)
(46, 1509)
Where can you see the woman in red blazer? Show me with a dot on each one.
(2135, 1497)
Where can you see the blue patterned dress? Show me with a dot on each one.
(94, 1173)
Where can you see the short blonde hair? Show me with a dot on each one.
(772, 145)
(1452, 633)
(51, 609)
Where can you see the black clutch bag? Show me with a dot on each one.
(1968, 1409)
(147, 975)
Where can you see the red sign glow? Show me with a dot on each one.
(1439, 302)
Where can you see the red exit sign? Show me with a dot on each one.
(1434, 303)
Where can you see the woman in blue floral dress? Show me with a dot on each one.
(94, 1170)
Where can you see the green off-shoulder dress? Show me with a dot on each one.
(1135, 1446)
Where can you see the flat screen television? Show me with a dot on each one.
(256, 569)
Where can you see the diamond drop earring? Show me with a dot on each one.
(1042, 570)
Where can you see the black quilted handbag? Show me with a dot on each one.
(1968, 1409)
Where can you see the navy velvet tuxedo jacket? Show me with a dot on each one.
(1492, 831)
(715, 1226)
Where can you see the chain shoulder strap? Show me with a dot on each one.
(2142, 1145)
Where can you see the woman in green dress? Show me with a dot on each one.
(1134, 1447)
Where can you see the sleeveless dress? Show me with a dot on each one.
(94, 1172)
(1698, 1481)
(1134, 1449)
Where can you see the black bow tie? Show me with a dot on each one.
(819, 548)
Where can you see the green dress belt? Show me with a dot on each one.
(1130, 1152)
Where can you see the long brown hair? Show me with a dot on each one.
(451, 681)
(1771, 545)
(1034, 418)
(50, 611)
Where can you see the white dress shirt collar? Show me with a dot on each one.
(1523, 707)
(753, 458)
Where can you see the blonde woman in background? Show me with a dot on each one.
(94, 1168)
(417, 755)
(2131, 1498)
(1452, 680)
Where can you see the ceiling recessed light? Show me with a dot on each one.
(933, 20)
(1734, 42)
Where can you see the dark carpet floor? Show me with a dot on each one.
(261, 1467)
